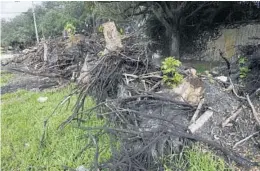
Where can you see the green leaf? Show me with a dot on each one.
(171, 77)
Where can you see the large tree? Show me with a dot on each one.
(176, 20)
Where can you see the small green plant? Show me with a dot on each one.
(101, 29)
(171, 76)
(121, 31)
(199, 159)
(101, 54)
(70, 28)
(243, 69)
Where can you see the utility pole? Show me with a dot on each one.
(34, 19)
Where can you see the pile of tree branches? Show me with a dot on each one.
(58, 58)
(143, 126)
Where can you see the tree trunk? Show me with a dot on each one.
(174, 44)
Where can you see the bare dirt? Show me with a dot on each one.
(27, 82)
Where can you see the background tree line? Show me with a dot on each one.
(51, 18)
(170, 24)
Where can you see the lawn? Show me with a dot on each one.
(195, 158)
(22, 118)
(5, 77)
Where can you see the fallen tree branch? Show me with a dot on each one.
(232, 117)
(155, 86)
(256, 115)
(37, 74)
(234, 91)
(182, 134)
(142, 76)
(201, 121)
(194, 117)
(245, 139)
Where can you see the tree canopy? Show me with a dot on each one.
(51, 18)
(171, 24)
(179, 21)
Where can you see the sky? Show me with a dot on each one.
(10, 9)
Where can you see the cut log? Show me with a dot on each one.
(112, 37)
(201, 121)
(45, 54)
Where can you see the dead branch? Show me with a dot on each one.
(194, 117)
(51, 75)
(234, 90)
(245, 139)
(232, 117)
(256, 115)
(201, 121)
(155, 86)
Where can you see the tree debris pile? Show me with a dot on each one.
(104, 76)
(145, 119)
(150, 121)
(57, 58)
(152, 125)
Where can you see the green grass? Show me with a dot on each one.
(196, 159)
(22, 128)
(201, 67)
(5, 77)
(204, 161)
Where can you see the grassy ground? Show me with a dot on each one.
(22, 118)
(196, 158)
(201, 68)
(22, 127)
(5, 77)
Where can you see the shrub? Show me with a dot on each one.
(171, 76)
(243, 69)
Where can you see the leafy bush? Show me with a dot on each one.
(243, 69)
(171, 76)
(70, 28)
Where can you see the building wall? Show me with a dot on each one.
(228, 43)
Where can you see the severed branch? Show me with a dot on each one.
(256, 115)
(142, 76)
(245, 139)
(235, 114)
(45, 53)
(193, 119)
(232, 117)
(50, 75)
(234, 91)
(201, 121)
(155, 86)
